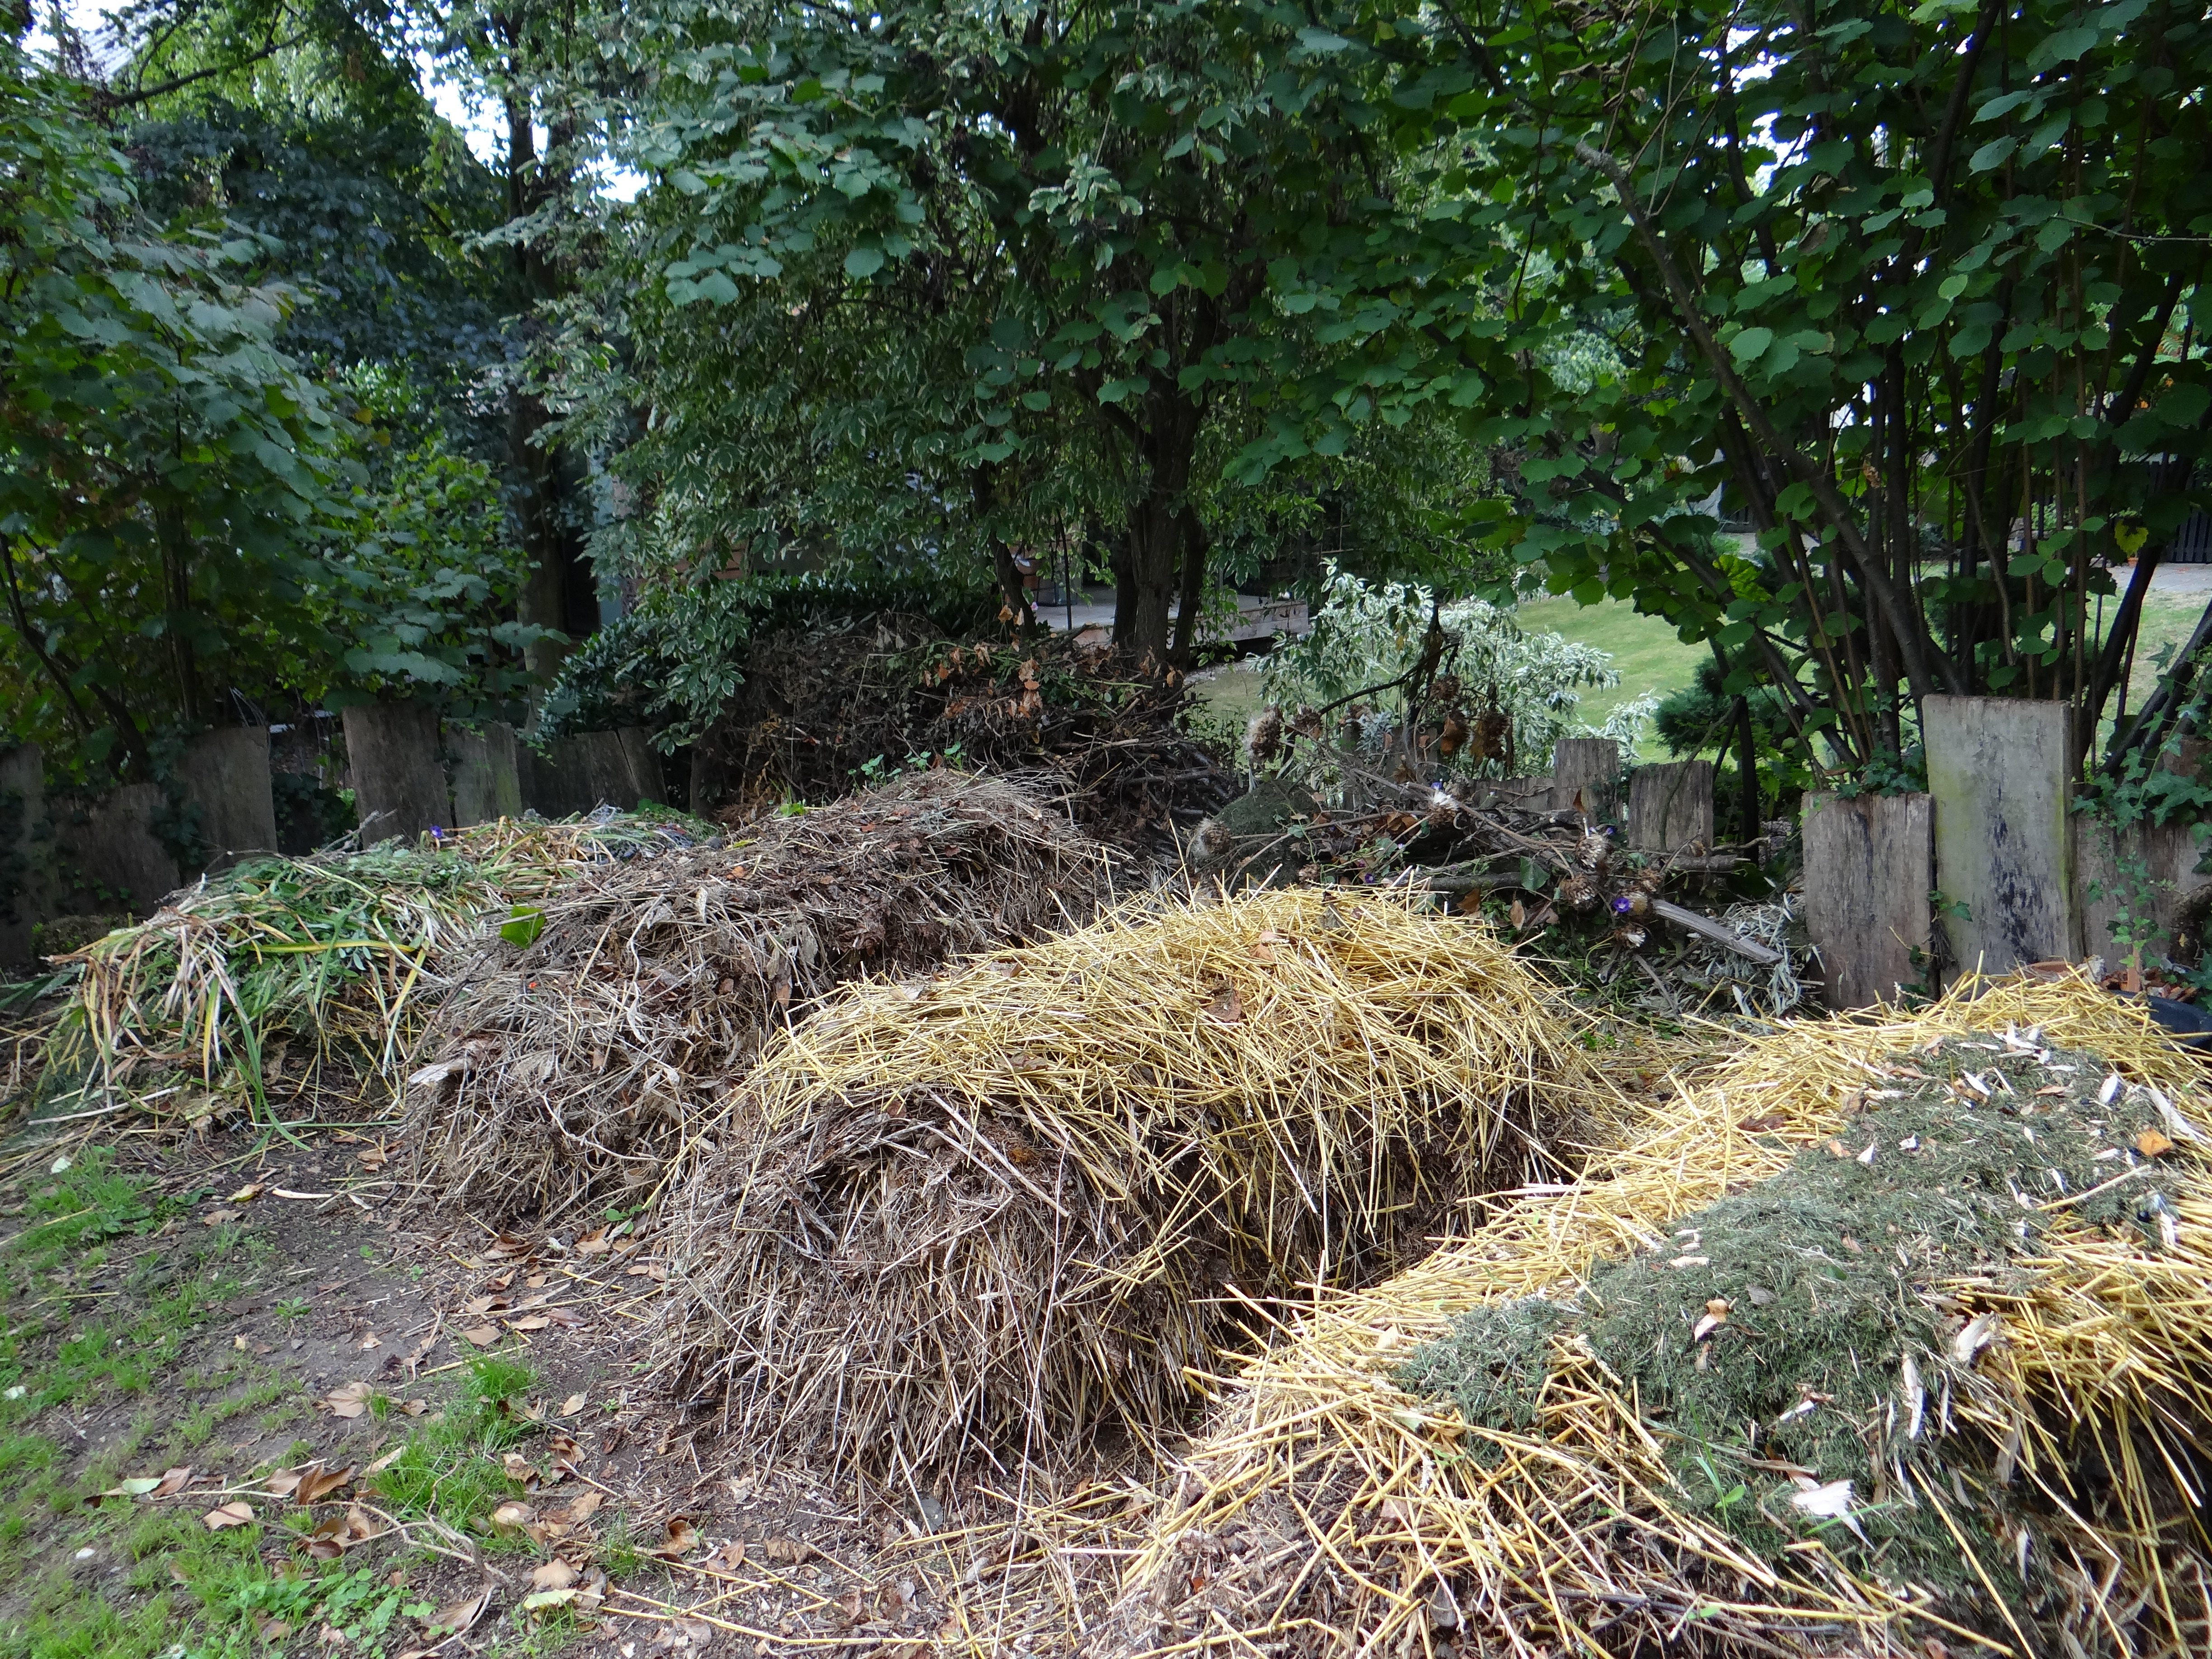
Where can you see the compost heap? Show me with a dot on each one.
(820, 706)
(1893, 1335)
(1005, 1208)
(297, 965)
(572, 1069)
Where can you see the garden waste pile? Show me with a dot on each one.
(1889, 1336)
(1006, 1210)
(574, 1067)
(307, 972)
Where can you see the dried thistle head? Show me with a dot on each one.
(1263, 736)
(1306, 722)
(1579, 892)
(1595, 851)
(1211, 839)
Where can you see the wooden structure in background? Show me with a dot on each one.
(1670, 807)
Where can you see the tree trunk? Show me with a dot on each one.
(1190, 601)
(1155, 541)
(1157, 528)
(560, 594)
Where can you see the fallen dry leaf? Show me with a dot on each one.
(236, 1513)
(572, 1405)
(652, 1270)
(332, 1540)
(218, 1217)
(581, 1508)
(248, 1193)
(789, 1551)
(375, 1158)
(2151, 1144)
(370, 1341)
(683, 1537)
(563, 1446)
(352, 1401)
(283, 1483)
(456, 1618)
(518, 1467)
(414, 1407)
(533, 1322)
(387, 1461)
(512, 1515)
(593, 1244)
(556, 1574)
(173, 1482)
(317, 1483)
(483, 1335)
(729, 1557)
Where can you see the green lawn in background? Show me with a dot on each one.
(1643, 649)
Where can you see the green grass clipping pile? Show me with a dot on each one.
(1798, 1348)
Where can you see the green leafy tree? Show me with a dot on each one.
(159, 457)
(1915, 290)
(1109, 190)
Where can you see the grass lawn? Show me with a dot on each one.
(1643, 648)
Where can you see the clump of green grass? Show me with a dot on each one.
(1803, 1324)
(453, 1467)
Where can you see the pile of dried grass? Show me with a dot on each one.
(333, 951)
(1006, 1209)
(574, 1069)
(1331, 1511)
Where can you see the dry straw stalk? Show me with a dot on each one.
(575, 1069)
(1014, 1206)
(1328, 1512)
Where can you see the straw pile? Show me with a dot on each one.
(2054, 1449)
(1007, 1208)
(332, 952)
(573, 1069)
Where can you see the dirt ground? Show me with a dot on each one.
(198, 1333)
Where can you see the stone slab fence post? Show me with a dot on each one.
(1670, 805)
(1586, 778)
(1998, 769)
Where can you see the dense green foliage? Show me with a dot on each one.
(925, 293)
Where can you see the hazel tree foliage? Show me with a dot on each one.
(1917, 289)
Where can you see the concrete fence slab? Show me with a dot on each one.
(1670, 805)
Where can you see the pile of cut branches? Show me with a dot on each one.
(826, 709)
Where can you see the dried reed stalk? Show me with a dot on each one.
(1328, 1511)
(572, 1070)
(1010, 1208)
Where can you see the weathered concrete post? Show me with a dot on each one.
(1671, 806)
(1586, 778)
(487, 773)
(225, 773)
(398, 784)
